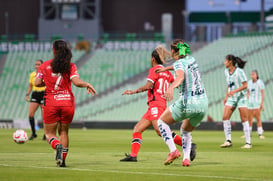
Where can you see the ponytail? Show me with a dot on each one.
(236, 61)
(161, 54)
(180, 49)
(62, 57)
(240, 62)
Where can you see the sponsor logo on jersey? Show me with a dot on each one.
(154, 111)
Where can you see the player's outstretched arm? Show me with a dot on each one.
(146, 87)
(158, 70)
(80, 83)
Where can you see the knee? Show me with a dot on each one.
(137, 130)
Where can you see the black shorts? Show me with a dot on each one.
(37, 97)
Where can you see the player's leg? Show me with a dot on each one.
(228, 110)
(244, 118)
(163, 124)
(250, 119)
(141, 126)
(257, 115)
(176, 138)
(67, 114)
(51, 117)
(186, 129)
(41, 107)
(64, 140)
(50, 131)
(33, 106)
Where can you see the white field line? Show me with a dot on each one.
(139, 173)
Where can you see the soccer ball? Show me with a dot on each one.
(20, 136)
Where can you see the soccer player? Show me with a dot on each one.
(58, 110)
(156, 86)
(192, 105)
(235, 97)
(36, 99)
(255, 96)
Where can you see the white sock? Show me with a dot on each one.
(246, 131)
(186, 143)
(260, 130)
(250, 129)
(227, 129)
(166, 134)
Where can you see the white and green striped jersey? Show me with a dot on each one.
(254, 88)
(192, 86)
(234, 81)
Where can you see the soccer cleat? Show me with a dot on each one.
(247, 146)
(59, 154)
(261, 137)
(129, 158)
(44, 137)
(172, 156)
(186, 163)
(33, 136)
(226, 144)
(193, 151)
(63, 164)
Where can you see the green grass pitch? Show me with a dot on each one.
(95, 154)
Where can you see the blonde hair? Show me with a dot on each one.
(163, 53)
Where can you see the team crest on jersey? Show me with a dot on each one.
(154, 111)
(48, 67)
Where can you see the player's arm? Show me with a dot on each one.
(163, 69)
(226, 97)
(28, 91)
(262, 103)
(147, 86)
(247, 94)
(39, 82)
(243, 87)
(80, 83)
(179, 79)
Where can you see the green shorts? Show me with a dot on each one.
(240, 102)
(194, 110)
(253, 105)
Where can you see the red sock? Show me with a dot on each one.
(54, 142)
(65, 151)
(136, 143)
(177, 139)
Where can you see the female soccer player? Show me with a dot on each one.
(58, 110)
(36, 99)
(190, 108)
(156, 86)
(255, 96)
(235, 97)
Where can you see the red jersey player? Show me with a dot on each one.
(156, 85)
(58, 110)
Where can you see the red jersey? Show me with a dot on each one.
(58, 86)
(161, 83)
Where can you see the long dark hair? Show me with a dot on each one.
(156, 57)
(236, 61)
(62, 57)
